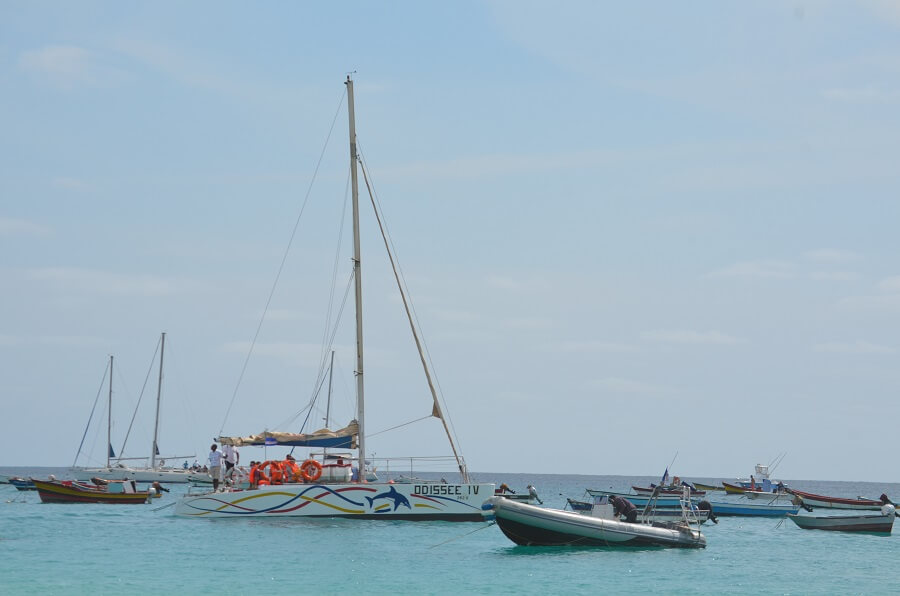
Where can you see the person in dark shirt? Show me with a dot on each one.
(622, 506)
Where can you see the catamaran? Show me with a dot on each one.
(329, 486)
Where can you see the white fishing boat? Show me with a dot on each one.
(341, 493)
(829, 502)
(657, 514)
(875, 522)
(530, 525)
(117, 468)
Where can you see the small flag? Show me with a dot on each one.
(665, 477)
(156, 448)
(111, 452)
(271, 441)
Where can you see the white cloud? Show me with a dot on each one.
(21, 227)
(890, 284)
(192, 70)
(757, 270)
(889, 302)
(831, 255)
(69, 67)
(863, 95)
(104, 282)
(857, 347)
(833, 276)
(886, 10)
(677, 336)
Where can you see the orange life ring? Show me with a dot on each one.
(311, 470)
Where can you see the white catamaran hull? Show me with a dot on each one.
(451, 502)
(529, 525)
(140, 474)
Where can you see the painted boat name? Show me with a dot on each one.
(445, 489)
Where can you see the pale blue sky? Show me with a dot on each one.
(668, 227)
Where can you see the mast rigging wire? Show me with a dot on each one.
(281, 266)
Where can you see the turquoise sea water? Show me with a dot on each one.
(116, 549)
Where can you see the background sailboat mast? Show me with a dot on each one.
(357, 278)
(109, 413)
(162, 349)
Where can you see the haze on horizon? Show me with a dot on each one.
(628, 231)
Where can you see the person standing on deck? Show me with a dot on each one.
(215, 465)
(232, 457)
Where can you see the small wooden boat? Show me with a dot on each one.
(530, 496)
(815, 500)
(529, 525)
(769, 497)
(738, 489)
(21, 483)
(756, 508)
(68, 491)
(874, 522)
(580, 506)
(666, 490)
(707, 487)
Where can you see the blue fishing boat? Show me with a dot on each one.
(754, 509)
(641, 500)
(21, 483)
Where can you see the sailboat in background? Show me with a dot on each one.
(342, 495)
(115, 469)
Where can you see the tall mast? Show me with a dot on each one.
(328, 403)
(109, 414)
(162, 349)
(357, 278)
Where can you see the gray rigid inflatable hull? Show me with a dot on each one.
(529, 525)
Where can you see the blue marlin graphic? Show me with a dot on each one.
(393, 495)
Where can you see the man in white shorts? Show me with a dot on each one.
(215, 465)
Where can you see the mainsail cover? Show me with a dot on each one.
(345, 438)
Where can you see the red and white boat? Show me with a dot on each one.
(69, 491)
(815, 500)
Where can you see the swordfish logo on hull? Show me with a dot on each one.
(393, 496)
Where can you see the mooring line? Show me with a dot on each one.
(462, 536)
